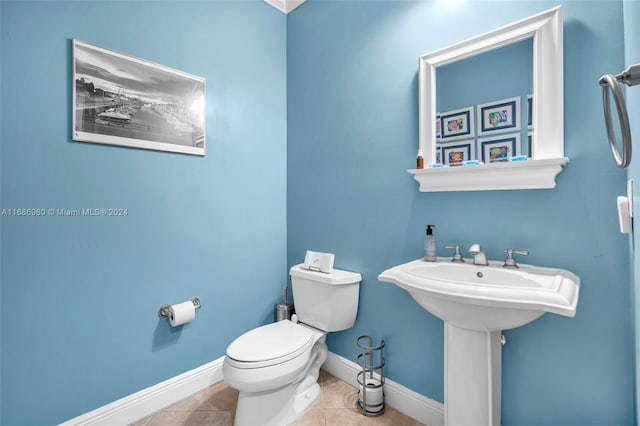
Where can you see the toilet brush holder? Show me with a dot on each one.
(371, 377)
(284, 311)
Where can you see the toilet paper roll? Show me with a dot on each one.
(375, 396)
(181, 313)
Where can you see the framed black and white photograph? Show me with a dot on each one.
(123, 100)
(457, 124)
(499, 149)
(499, 116)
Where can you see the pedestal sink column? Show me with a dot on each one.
(473, 363)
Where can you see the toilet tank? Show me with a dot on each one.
(327, 302)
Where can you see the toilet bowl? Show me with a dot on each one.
(273, 389)
(276, 366)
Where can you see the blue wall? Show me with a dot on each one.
(489, 77)
(501, 73)
(632, 56)
(352, 133)
(312, 123)
(80, 295)
(0, 217)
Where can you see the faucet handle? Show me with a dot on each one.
(457, 256)
(510, 262)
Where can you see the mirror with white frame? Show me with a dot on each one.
(484, 105)
(541, 156)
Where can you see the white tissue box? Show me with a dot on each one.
(321, 262)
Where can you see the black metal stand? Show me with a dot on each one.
(371, 378)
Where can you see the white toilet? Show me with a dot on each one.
(275, 367)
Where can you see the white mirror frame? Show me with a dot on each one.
(548, 111)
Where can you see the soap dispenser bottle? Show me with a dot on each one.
(430, 245)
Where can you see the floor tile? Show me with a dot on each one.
(311, 418)
(335, 406)
(216, 397)
(346, 417)
(338, 394)
(191, 418)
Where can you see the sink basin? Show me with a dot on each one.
(476, 303)
(486, 298)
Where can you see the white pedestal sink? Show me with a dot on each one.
(476, 304)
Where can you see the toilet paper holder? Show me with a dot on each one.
(164, 309)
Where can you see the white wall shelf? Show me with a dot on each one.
(531, 174)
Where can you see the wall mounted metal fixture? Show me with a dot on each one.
(630, 77)
(165, 310)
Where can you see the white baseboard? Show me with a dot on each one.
(147, 401)
(403, 399)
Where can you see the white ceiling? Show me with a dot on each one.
(285, 6)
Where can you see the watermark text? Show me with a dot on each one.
(64, 212)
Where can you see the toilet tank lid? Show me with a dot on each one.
(337, 277)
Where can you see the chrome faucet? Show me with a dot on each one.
(479, 258)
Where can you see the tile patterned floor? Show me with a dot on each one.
(215, 406)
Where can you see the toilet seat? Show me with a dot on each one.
(270, 344)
